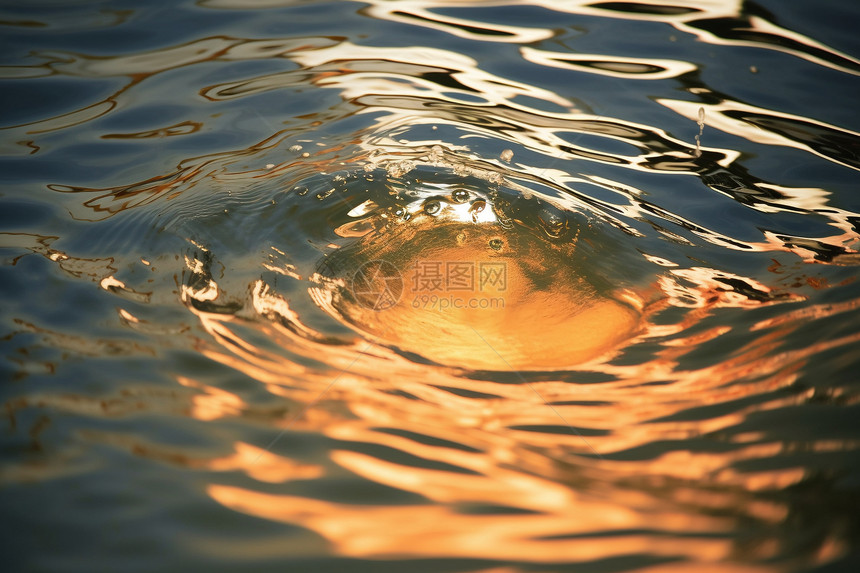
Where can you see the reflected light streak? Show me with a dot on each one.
(419, 13)
(613, 66)
(769, 127)
(422, 531)
(720, 22)
(263, 466)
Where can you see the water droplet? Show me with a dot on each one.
(300, 190)
(496, 244)
(701, 122)
(553, 221)
(432, 207)
(507, 155)
(436, 154)
(306, 154)
(400, 168)
(476, 209)
(460, 196)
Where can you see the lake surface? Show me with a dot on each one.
(430, 285)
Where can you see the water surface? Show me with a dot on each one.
(512, 285)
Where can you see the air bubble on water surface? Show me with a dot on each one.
(552, 221)
(460, 196)
(432, 207)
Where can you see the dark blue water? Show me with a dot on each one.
(429, 285)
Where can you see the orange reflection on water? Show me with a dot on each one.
(417, 531)
(213, 403)
(681, 503)
(264, 466)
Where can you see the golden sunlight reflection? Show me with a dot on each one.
(251, 461)
(504, 318)
(560, 534)
(473, 444)
(263, 466)
(433, 531)
(212, 403)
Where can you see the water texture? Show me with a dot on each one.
(430, 285)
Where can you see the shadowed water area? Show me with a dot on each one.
(430, 285)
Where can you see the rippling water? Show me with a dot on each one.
(430, 285)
